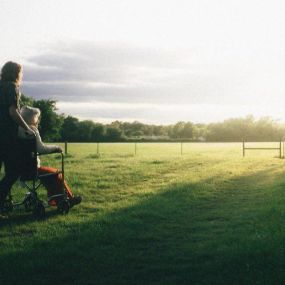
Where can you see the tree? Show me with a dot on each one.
(98, 132)
(69, 129)
(187, 131)
(85, 129)
(51, 122)
(177, 129)
(200, 132)
(113, 134)
(26, 101)
(57, 127)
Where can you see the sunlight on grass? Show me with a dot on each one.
(208, 216)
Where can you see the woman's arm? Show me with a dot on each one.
(17, 118)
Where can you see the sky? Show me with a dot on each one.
(158, 61)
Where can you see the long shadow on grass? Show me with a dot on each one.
(213, 232)
(20, 217)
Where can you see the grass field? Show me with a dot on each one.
(208, 216)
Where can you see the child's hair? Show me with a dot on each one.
(10, 72)
(29, 113)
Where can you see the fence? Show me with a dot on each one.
(180, 147)
(135, 147)
(279, 148)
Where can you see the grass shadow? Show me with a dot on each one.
(188, 233)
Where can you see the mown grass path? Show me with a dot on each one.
(207, 217)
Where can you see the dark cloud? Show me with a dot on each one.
(106, 55)
(122, 72)
(97, 62)
(133, 94)
(113, 72)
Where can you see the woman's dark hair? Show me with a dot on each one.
(10, 72)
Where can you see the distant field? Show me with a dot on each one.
(208, 216)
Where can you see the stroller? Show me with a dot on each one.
(30, 178)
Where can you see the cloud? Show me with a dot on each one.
(109, 62)
(116, 72)
(111, 74)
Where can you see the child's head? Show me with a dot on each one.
(31, 115)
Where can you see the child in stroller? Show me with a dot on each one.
(53, 183)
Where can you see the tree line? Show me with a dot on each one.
(58, 127)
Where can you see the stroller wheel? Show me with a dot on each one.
(39, 210)
(63, 207)
(28, 203)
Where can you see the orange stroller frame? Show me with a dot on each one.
(29, 172)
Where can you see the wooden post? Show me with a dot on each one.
(243, 148)
(97, 148)
(65, 148)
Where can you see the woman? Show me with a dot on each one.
(10, 120)
(52, 183)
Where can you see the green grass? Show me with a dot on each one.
(206, 217)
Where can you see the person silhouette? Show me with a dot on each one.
(10, 120)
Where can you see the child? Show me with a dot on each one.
(52, 183)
